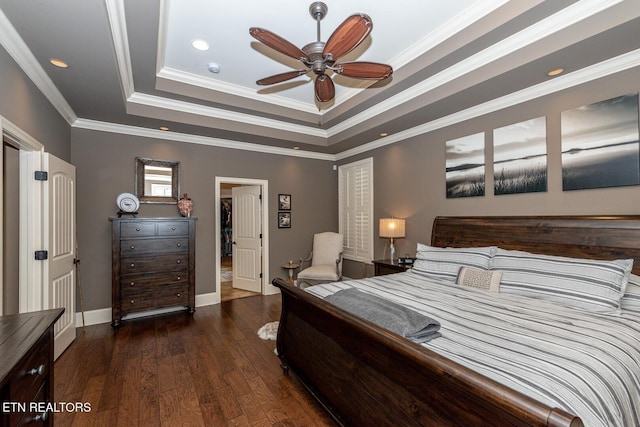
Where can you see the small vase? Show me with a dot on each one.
(185, 205)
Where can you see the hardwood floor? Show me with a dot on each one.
(207, 370)
(227, 291)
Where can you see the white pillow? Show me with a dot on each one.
(587, 284)
(630, 301)
(487, 280)
(446, 262)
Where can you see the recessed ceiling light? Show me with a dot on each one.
(200, 44)
(296, 147)
(213, 67)
(58, 63)
(164, 128)
(383, 134)
(555, 72)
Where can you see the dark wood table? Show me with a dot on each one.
(26, 371)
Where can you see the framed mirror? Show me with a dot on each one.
(157, 181)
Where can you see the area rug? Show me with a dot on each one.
(226, 274)
(269, 331)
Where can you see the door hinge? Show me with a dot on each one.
(261, 235)
(42, 255)
(261, 275)
(41, 175)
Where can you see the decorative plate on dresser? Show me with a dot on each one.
(153, 265)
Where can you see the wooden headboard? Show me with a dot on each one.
(597, 237)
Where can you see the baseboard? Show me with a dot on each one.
(103, 315)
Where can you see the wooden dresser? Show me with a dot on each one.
(153, 265)
(26, 368)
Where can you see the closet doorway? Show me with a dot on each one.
(240, 237)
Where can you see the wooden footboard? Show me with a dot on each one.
(366, 375)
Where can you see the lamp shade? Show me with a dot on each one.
(391, 227)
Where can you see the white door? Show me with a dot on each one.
(247, 238)
(60, 203)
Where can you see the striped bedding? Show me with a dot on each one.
(585, 363)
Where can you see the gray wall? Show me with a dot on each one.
(22, 103)
(409, 177)
(105, 168)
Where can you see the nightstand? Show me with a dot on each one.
(384, 266)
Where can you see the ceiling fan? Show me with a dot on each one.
(319, 56)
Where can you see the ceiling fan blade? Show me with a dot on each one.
(364, 70)
(276, 42)
(277, 78)
(324, 88)
(348, 35)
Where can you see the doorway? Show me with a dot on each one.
(10, 292)
(241, 263)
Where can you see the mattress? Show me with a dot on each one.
(585, 363)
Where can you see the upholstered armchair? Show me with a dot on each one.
(325, 260)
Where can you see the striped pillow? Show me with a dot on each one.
(587, 284)
(446, 262)
(630, 301)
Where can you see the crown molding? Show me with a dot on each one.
(118, 27)
(453, 26)
(15, 46)
(146, 100)
(535, 33)
(603, 69)
(179, 76)
(19, 51)
(195, 139)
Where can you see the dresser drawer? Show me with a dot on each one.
(144, 246)
(154, 279)
(151, 264)
(178, 228)
(32, 372)
(138, 229)
(32, 418)
(140, 299)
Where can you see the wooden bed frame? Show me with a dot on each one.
(364, 375)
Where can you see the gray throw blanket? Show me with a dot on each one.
(387, 314)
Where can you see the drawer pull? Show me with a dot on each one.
(173, 229)
(178, 245)
(132, 265)
(132, 302)
(178, 278)
(41, 417)
(137, 228)
(36, 371)
(178, 294)
(133, 247)
(132, 284)
(179, 261)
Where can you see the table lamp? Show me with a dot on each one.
(392, 228)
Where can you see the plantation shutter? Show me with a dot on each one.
(355, 187)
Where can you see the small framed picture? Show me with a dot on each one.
(284, 202)
(284, 219)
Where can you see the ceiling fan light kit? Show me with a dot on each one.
(319, 56)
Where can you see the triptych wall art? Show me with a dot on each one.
(600, 148)
(600, 145)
